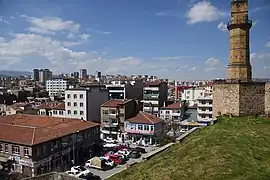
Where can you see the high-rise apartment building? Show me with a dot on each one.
(83, 74)
(36, 74)
(44, 75)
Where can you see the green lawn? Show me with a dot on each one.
(234, 149)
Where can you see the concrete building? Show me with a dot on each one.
(144, 128)
(239, 94)
(171, 112)
(40, 144)
(36, 74)
(192, 94)
(44, 75)
(113, 115)
(83, 74)
(154, 96)
(205, 105)
(125, 89)
(85, 103)
(45, 109)
(57, 86)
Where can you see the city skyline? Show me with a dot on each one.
(176, 40)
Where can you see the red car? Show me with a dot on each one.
(115, 158)
(120, 147)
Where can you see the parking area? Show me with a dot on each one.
(119, 168)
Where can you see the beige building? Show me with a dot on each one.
(40, 144)
(113, 115)
(240, 95)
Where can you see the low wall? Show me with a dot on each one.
(183, 136)
(52, 176)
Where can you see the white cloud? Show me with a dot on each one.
(204, 12)
(92, 30)
(222, 26)
(268, 44)
(213, 62)
(50, 25)
(3, 20)
(192, 68)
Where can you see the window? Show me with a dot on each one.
(26, 152)
(75, 96)
(61, 112)
(81, 112)
(146, 127)
(15, 150)
(69, 104)
(75, 112)
(81, 96)
(68, 96)
(69, 111)
(81, 104)
(140, 127)
(105, 112)
(187, 97)
(75, 104)
(167, 112)
(1, 147)
(6, 148)
(54, 112)
(152, 128)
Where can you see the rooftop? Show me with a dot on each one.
(60, 106)
(144, 118)
(48, 105)
(38, 129)
(115, 102)
(176, 105)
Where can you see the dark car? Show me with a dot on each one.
(140, 149)
(90, 177)
(135, 154)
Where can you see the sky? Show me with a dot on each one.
(175, 39)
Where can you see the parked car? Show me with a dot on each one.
(108, 162)
(183, 130)
(117, 159)
(109, 145)
(135, 154)
(98, 163)
(140, 149)
(89, 177)
(80, 169)
(120, 147)
(72, 173)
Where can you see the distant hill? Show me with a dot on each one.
(235, 148)
(11, 73)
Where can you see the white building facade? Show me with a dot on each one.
(85, 103)
(191, 95)
(205, 105)
(56, 86)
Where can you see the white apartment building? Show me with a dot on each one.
(171, 112)
(205, 105)
(191, 95)
(56, 86)
(125, 89)
(85, 103)
(44, 75)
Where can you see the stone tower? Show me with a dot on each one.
(239, 94)
(239, 65)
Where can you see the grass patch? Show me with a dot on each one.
(235, 148)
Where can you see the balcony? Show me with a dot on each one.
(204, 112)
(108, 124)
(176, 114)
(150, 96)
(245, 24)
(204, 105)
(132, 131)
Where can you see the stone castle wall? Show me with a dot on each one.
(225, 99)
(267, 98)
(241, 99)
(252, 98)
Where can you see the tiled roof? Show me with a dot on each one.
(144, 118)
(48, 105)
(60, 106)
(115, 102)
(176, 105)
(32, 129)
(153, 83)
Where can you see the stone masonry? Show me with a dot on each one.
(267, 98)
(240, 99)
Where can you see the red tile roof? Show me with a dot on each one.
(48, 105)
(115, 102)
(60, 106)
(144, 118)
(31, 129)
(176, 105)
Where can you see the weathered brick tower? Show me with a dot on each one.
(239, 94)
(239, 26)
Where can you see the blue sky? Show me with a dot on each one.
(178, 39)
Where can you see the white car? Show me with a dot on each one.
(125, 152)
(72, 173)
(183, 130)
(108, 162)
(109, 145)
(80, 169)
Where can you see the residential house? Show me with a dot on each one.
(144, 128)
(20, 108)
(205, 105)
(41, 144)
(113, 115)
(45, 109)
(59, 110)
(171, 112)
